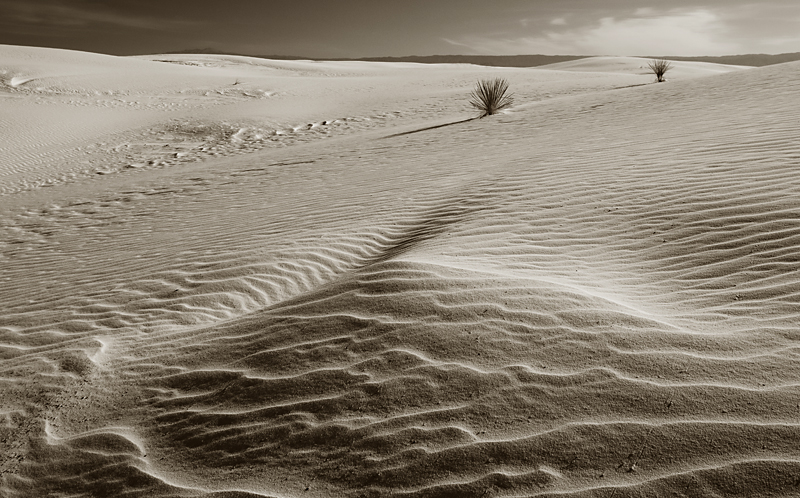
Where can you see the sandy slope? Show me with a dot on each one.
(679, 70)
(595, 294)
(69, 115)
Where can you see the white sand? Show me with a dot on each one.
(218, 277)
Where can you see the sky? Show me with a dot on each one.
(374, 28)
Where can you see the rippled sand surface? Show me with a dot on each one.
(254, 281)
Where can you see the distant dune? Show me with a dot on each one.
(637, 65)
(534, 60)
(756, 60)
(482, 60)
(224, 276)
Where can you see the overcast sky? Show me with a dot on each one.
(364, 28)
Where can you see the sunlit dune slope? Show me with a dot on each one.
(70, 115)
(590, 295)
(679, 70)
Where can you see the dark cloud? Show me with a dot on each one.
(59, 14)
(88, 25)
(354, 28)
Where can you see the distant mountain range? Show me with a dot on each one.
(757, 60)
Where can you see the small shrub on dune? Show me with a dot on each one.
(659, 67)
(491, 96)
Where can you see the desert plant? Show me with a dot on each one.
(490, 96)
(659, 68)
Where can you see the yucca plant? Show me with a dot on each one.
(490, 96)
(659, 68)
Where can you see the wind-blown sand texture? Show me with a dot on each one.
(220, 278)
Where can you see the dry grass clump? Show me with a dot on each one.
(659, 68)
(490, 96)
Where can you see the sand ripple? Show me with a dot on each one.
(595, 296)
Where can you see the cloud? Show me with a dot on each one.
(457, 43)
(57, 14)
(688, 32)
(770, 27)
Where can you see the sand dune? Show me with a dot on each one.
(593, 294)
(636, 65)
